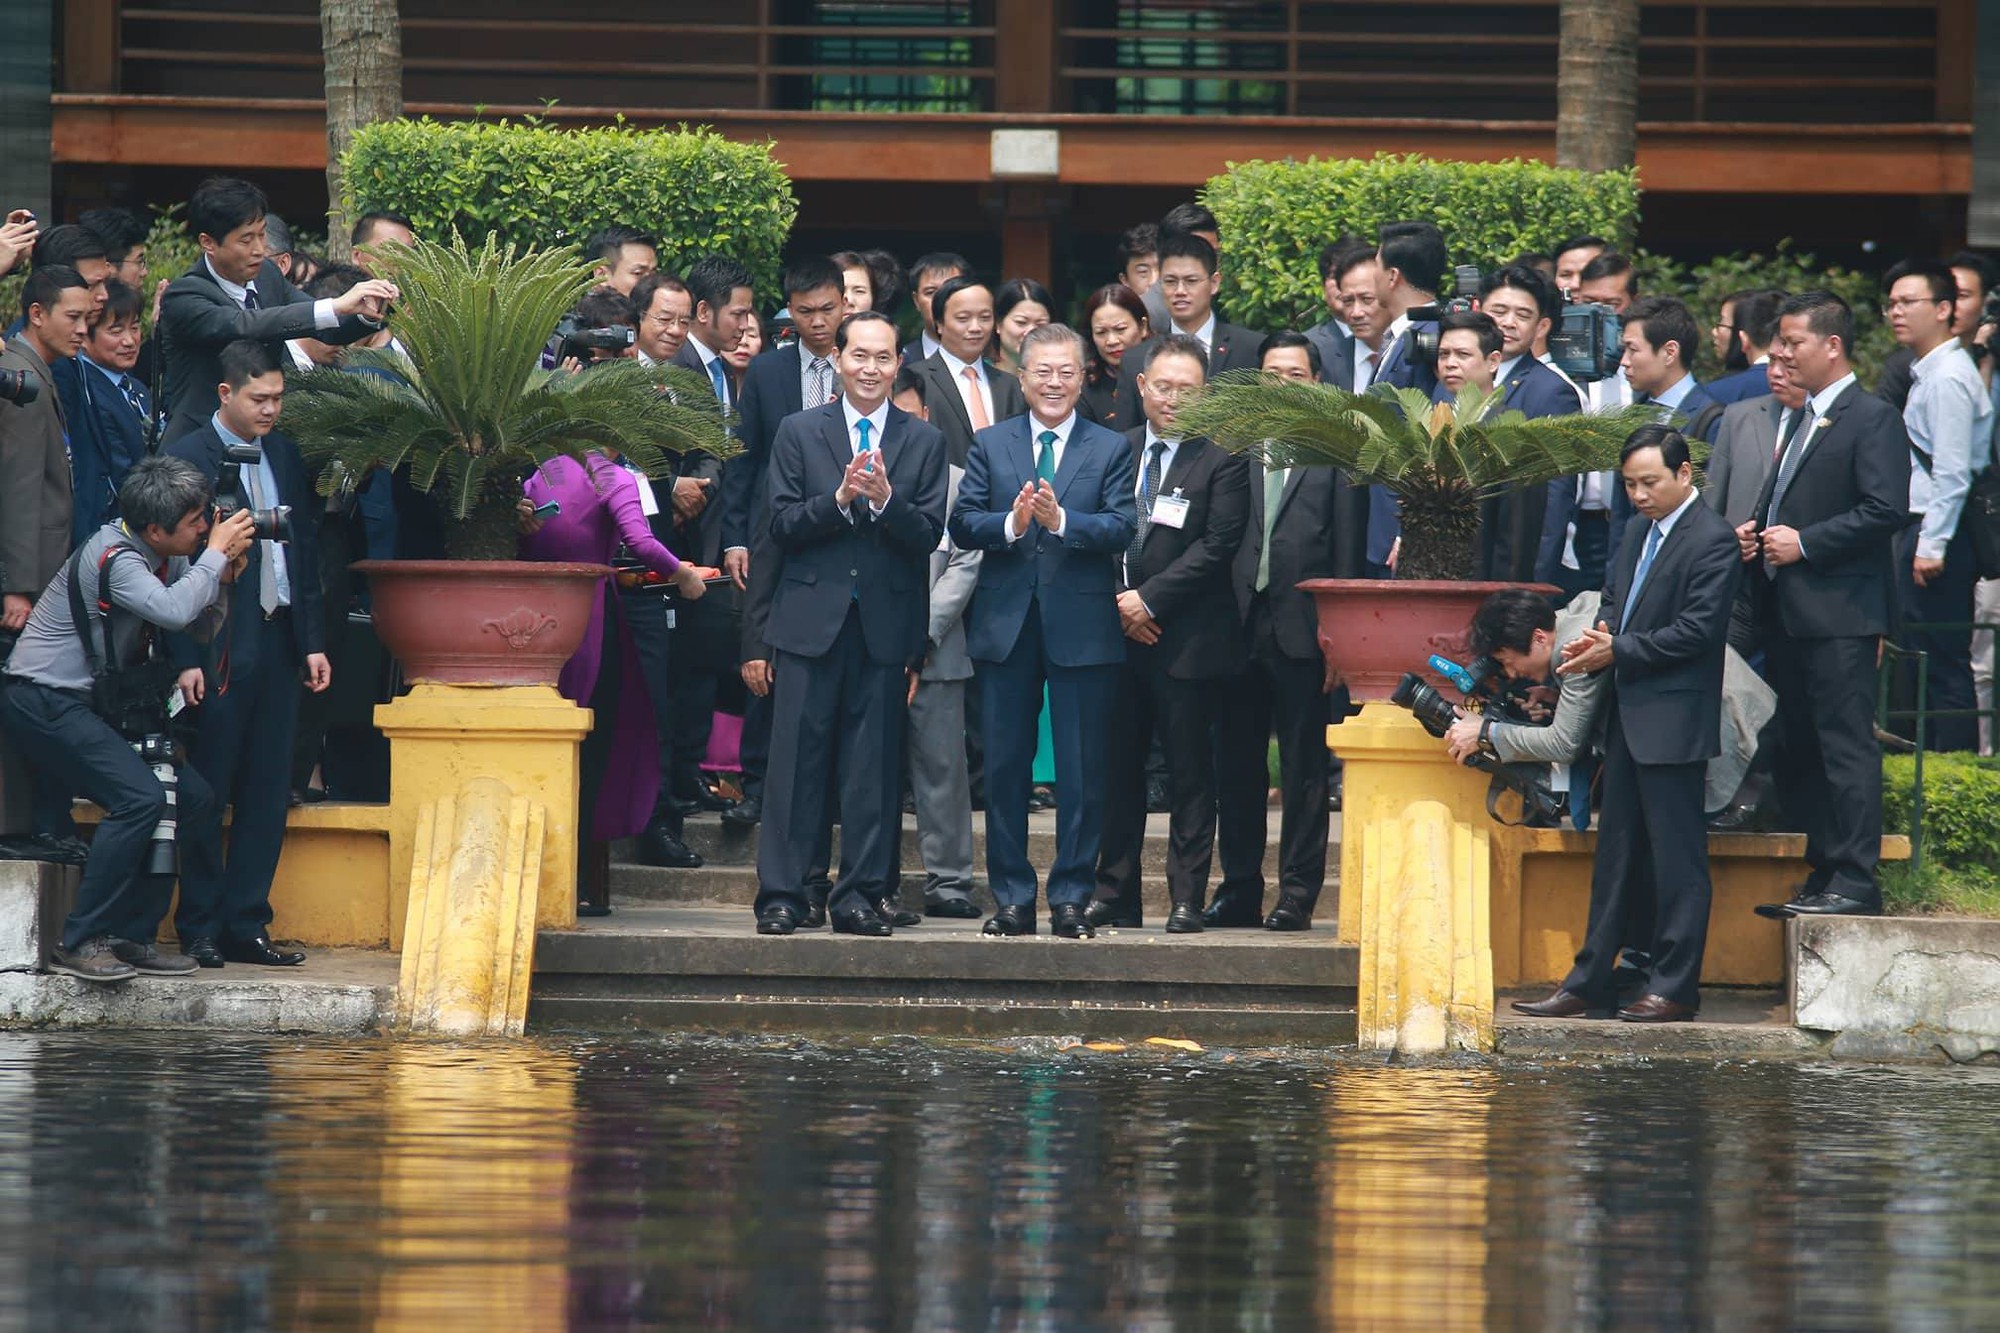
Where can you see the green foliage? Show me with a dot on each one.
(1945, 890)
(1276, 216)
(534, 184)
(1961, 808)
(470, 412)
(1703, 287)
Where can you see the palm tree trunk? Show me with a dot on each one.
(1597, 85)
(362, 41)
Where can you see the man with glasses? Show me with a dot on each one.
(1189, 279)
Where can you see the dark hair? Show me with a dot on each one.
(885, 274)
(160, 491)
(652, 285)
(119, 228)
(1508, 619)
(1479, 322)
(1111, 293)
(1189, 217)
(1334, 251)
(364, 227)
(1521, 278)
(1361, 252)
(1755, 313)
(604, 308)
(812, 273)
(1143, 239)
(68, 243)
(938, 261)
(607, 246)
(862, 317)
(909, 381)
(1016, 290)
(335, 280)
(46, 282)
(1416, 249)
(1827, 316)
(120, 302)
(1610, 264)
(1186, 245)
(1988, 271)
(951, 288)
(1663, 320)
(1284, 338)
(1943, 282)
(221, 204)
(713, 277)
(1176, 344)
(1579, 243)
(1673, 446)
(306, 266)
(244, 360)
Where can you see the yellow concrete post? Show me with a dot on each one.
(443, 736)
(1415, 869)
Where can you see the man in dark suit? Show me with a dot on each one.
(1182, 638)
(1522, 305)
(1305, 523)
(249, 689)
(1659, 336)
(1189, 280)
(963, 390)
(857, 495)
(1746, 446)
(1742, 337)
(235, 292)
(1819, 547)
(1662, 633)
(1048, 498)
(1410, 267)
(1333, 338)
(108, 410)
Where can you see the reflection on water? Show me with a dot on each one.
(172, 1181)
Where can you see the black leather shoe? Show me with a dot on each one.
(1041, 798)
(815, 916)
(1832, 904)
(745, 813)
(1229, 911)
(777, 920)
(1184, 920)
(1156, 797)
(1110, 914)
(892, 912)
(861, 921)
(204, 950)
(955, 909)
(1733, 819)
(1071, 922)
(658, 847)
(63, 851)
(1289, 914)
(1563, 1004)
(257, 949)
(1013, 920)
(705, 797)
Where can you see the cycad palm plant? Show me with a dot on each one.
(1440, 459)
(470, 413)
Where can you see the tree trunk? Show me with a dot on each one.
(1597, 85)
(362, 41)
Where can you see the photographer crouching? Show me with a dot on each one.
(85, 696)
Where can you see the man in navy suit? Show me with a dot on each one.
(110, 413)
(1411, 263)
(857, 498)
(1048, 497)
(1742, 338)
(249, 689)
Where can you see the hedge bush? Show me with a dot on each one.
(1275, 217)
(538, 185)
(1961, 831)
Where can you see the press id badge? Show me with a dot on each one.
(1170, 511)
(649, 504)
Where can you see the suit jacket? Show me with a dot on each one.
(1183, 574)
(1669, 643)
(35, 498)
(1687, 415)
(833, 562)
(1753, 382)
(1071, 581)
(1233, 348)
(1510, 525)
(1848, 498)
(771, 392)
(198, 319)
(1397, 366)
(1746, 441)
(203, 448)
(1320, 532)
(1336, 353)
(701, 540)
(106, 437)
(954, 575)
(947, 405)
(1104, 403)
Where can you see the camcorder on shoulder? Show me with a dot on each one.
(1482, 690)
(576, 340)
(1583, 336)
(268, 525)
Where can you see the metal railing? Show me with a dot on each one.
(1894, 661)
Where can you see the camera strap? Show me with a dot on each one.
(107, 660)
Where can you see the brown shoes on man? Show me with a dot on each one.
(1568, 1004)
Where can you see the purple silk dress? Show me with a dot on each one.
(601, 511)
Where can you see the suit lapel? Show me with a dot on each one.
(791, 387)
(1667, 547)
(1819, 433)
(1021, 444)
(1072, 456)
(945, 388)
(833, 429)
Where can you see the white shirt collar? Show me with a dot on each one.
(229, 436)
(1205, 335)
(1396, 327)
(1062, 429)
(1507, 368)
(1821, 401)
(1666, 525)
(234, 291)
(117, 377)
(708, 358)
(958, 366)
(878, 420)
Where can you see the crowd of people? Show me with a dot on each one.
(982, 568)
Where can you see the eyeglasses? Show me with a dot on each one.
(670, 321)
(1908, 302)
(1055, 374)
(1168, 393)
(1183, 284)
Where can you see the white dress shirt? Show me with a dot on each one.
(1950, 419)
(1366, 358)
(708, 360)
(263, 483)
(878, 421)
(323, 316)
(1145, 512)
(1035, 429)
(1205, 335)
(957, 369)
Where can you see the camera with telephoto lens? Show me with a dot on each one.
(133, 700)
(1481, 689)
(1464, 299)
(19, 387)
(159, 751)
(267, 525)
(585, 344)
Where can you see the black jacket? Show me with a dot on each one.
(1321, 533)
(1183, 574)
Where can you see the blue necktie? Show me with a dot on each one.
(133, 395)
(1645, 567)
(720, 379)
(861, 428)
(1045, 461)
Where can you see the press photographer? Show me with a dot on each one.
(91, 653)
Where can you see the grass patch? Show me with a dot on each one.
(1940, 890)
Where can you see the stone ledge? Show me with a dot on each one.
(337, 991)
(1898, 988)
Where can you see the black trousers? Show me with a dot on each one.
(646, 617)
(1650, 879)
(1830, 769)
(1945, 600)
(337, 538)
(79, 750)
(754, 750)
(1147, 699)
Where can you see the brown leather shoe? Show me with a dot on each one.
(1655, 1009)
(1563, 1004)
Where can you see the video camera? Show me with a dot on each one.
(267, 525)
(575, 339)
(1464, 299)
(1583, 337)
(1481, 689)
(19, 387)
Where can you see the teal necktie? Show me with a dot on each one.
(1045, 461)
(1645, 567)
(720, 379)
(861, 428)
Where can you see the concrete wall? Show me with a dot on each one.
(1898, 988)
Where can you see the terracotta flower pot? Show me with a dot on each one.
(1373, 630)
(481, 622)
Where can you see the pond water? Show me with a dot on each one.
(182, 1180)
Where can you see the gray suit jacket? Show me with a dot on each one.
(35, 501)
(954, 574)
(1746, 441)
(1336, 353)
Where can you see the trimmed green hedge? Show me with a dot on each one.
(1275, 217)
(537, 185)
(1961, 833)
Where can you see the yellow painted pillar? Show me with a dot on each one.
(1415, 872)
(444, 736)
